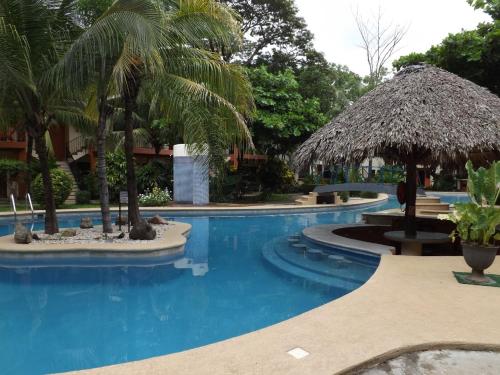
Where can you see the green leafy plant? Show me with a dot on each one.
(477, 220)
(82, 197)
(155, 197)
(61, 185)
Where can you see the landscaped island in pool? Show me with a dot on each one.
(55, 319)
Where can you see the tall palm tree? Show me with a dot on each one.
(138, 44)
(32, 34)
(190, 27)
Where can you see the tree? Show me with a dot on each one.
(471, 54)
(142, 47)
(274, 33)
(380, 42)
(335, 86)
(32, 34)
(284, 118)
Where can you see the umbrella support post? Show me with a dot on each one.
(411, 197)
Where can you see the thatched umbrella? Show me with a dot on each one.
(422, 115)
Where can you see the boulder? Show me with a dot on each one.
(123, 220)
(142, 231)
(157, 220)
(86, 222)
(70, 232)
(22, 234)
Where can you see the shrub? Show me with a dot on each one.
(344, 196)
(83, 197)
(61, 185)
(275, 176)
(91, 184)
(368, 195)
(157, 197)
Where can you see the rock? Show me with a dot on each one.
(36, 237)
(158, 220)
(142, 231)
(120, 236)
(123, 220)
(22, 234)
(86, 222)
(68, 232)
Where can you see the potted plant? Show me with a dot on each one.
(477, 220)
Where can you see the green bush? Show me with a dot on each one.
(83, 197)
(61, 185)
(368, 195)
(157, 197)
(344, 196)
(275, 176)
(91, 184)
(443, 182)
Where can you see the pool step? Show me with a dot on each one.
(272, 258)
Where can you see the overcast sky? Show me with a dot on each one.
(428, 21)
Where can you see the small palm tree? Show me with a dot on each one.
(32, 34)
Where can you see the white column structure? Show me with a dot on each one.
(191, 181)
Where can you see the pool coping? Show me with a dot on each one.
(396, 311)
(227, 210)
(323, 234)
(173, 242)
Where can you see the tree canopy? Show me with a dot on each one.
(472, 54)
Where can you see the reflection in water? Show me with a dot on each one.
(196, 257)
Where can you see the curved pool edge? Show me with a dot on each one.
(227, 210)
(170, 246)
(395, 311)
(323, 235)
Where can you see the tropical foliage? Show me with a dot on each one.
(477, 221)
(61, 185)
(472, 54)
(155, 197)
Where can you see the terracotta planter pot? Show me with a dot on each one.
(479, 258)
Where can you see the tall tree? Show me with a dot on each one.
(147, 43)
(274, 33)
(379, 41)
(284, 118)
(32, 34)
(471, 54)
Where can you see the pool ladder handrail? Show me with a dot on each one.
(13, 204)
(29, 204)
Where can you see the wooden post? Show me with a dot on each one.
(411, 196)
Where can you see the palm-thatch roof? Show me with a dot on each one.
(422, 111)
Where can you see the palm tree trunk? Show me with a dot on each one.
(51, 225)
(130, 101)
(107, 226)
(29, 159)
(411, 196)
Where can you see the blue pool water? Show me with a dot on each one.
(66, 318)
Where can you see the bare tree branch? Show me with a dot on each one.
(379, 41)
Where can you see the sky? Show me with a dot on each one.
(428, 22)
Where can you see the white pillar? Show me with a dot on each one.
(191, 181)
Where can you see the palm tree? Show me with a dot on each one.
(142, 44)
(187, 67)
(32, 34)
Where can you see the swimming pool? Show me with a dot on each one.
(67, 318)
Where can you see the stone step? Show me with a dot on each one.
(432, 206)
(428, 200)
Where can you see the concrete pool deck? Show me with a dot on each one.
(409, 304)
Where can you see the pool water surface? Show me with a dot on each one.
(58, 319)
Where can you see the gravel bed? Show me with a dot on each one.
(95, 235)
